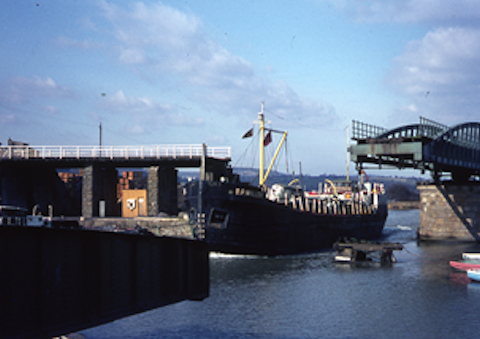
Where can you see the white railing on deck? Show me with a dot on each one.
(112, 152)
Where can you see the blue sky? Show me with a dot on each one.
(188, 72)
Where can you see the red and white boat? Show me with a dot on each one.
(466, 265)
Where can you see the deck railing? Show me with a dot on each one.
(112, 152)
(362, 130)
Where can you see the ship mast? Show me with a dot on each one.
(348, 153)
(262, 137)
(262, 176)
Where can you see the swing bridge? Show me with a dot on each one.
(426, 146)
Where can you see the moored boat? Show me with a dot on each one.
(471, 256)
(18, 216)
(474, 275)
(466, 265)
(240, 218)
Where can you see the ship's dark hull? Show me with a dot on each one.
(243, 224)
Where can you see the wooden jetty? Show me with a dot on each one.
(358, 251)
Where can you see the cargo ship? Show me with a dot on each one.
(240, 218)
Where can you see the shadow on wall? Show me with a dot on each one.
(27, 186)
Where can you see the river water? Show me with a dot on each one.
(310, 296)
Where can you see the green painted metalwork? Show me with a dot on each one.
(425, 146)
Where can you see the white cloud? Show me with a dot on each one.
(22, 89)
(144, 113)
(132, 56)
(7, 119)
(158, 39)
(411, 11)
(142, 25)
(120, 102)
(52, 109)
(441, 73)
(170, 40)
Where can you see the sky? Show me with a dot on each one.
(192, 72)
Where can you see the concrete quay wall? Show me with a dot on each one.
(56, 281)
(172, 226)
(449, 212)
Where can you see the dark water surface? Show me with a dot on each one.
(309, 296)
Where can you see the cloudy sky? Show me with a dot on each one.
(191, 72)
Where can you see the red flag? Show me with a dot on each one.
(268, 139)
(248, 134)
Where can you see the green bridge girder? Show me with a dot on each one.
(427, 146)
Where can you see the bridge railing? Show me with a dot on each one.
(426, 128)
(111, 152)
(431, 129)
(362, 130)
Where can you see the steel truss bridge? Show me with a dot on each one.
(427, 146)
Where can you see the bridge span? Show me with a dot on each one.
(23, 151)
(28, 173)
(427, 146)
(449, 207)
(57, 280)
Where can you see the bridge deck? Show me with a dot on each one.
(21, 152)
(425, 146)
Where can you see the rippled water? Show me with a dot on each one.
(309, 296)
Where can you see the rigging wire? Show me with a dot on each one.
(270, 151)
(249, 149)
(293, 167)
(275, 114)
(286, 156)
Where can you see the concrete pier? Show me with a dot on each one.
(99, 185)
(162, 190)
(449, 211)
(171, 226)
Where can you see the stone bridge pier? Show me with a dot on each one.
(162, 190)
(449, 211)
(99, 190)
(99, 183)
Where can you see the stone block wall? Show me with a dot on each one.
(449, 212)
(99, 184)
(162, 191)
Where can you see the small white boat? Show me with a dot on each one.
(17, 216)
(474, 275)
(471, 256)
